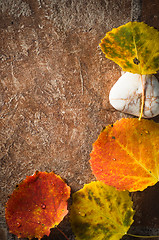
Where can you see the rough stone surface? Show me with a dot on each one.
(150, 13)
(54, 89)
(136, 8)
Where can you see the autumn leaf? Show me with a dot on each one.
(134, 47)
(101, 212)
(126, 154)
(36, 205)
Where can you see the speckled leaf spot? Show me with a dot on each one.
(36, 205)
(134, 47)
(101, 212)
(126, 154)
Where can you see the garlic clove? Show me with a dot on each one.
(126, 95)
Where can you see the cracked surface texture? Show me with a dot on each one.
(54, 88)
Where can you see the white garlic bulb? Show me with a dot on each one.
(126, 95)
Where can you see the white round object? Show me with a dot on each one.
(126, 95)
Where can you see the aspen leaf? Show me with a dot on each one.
(101, 212)
(126, 154)
(36, 205)
(134, 47)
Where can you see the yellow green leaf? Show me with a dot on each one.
(101, 212)
(134, 47)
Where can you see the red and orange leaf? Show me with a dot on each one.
(36, 205)
(126, 154)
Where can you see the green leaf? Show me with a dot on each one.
(101, 212)
(134, 47)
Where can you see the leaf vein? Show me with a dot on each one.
(134, 158)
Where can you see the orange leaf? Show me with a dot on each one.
(126, 154)
(36, 205)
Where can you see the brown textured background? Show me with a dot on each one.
(54, 87)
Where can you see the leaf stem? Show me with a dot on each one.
(138, 236)
(62, 233)
(143, 97)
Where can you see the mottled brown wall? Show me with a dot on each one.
(54, 86)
